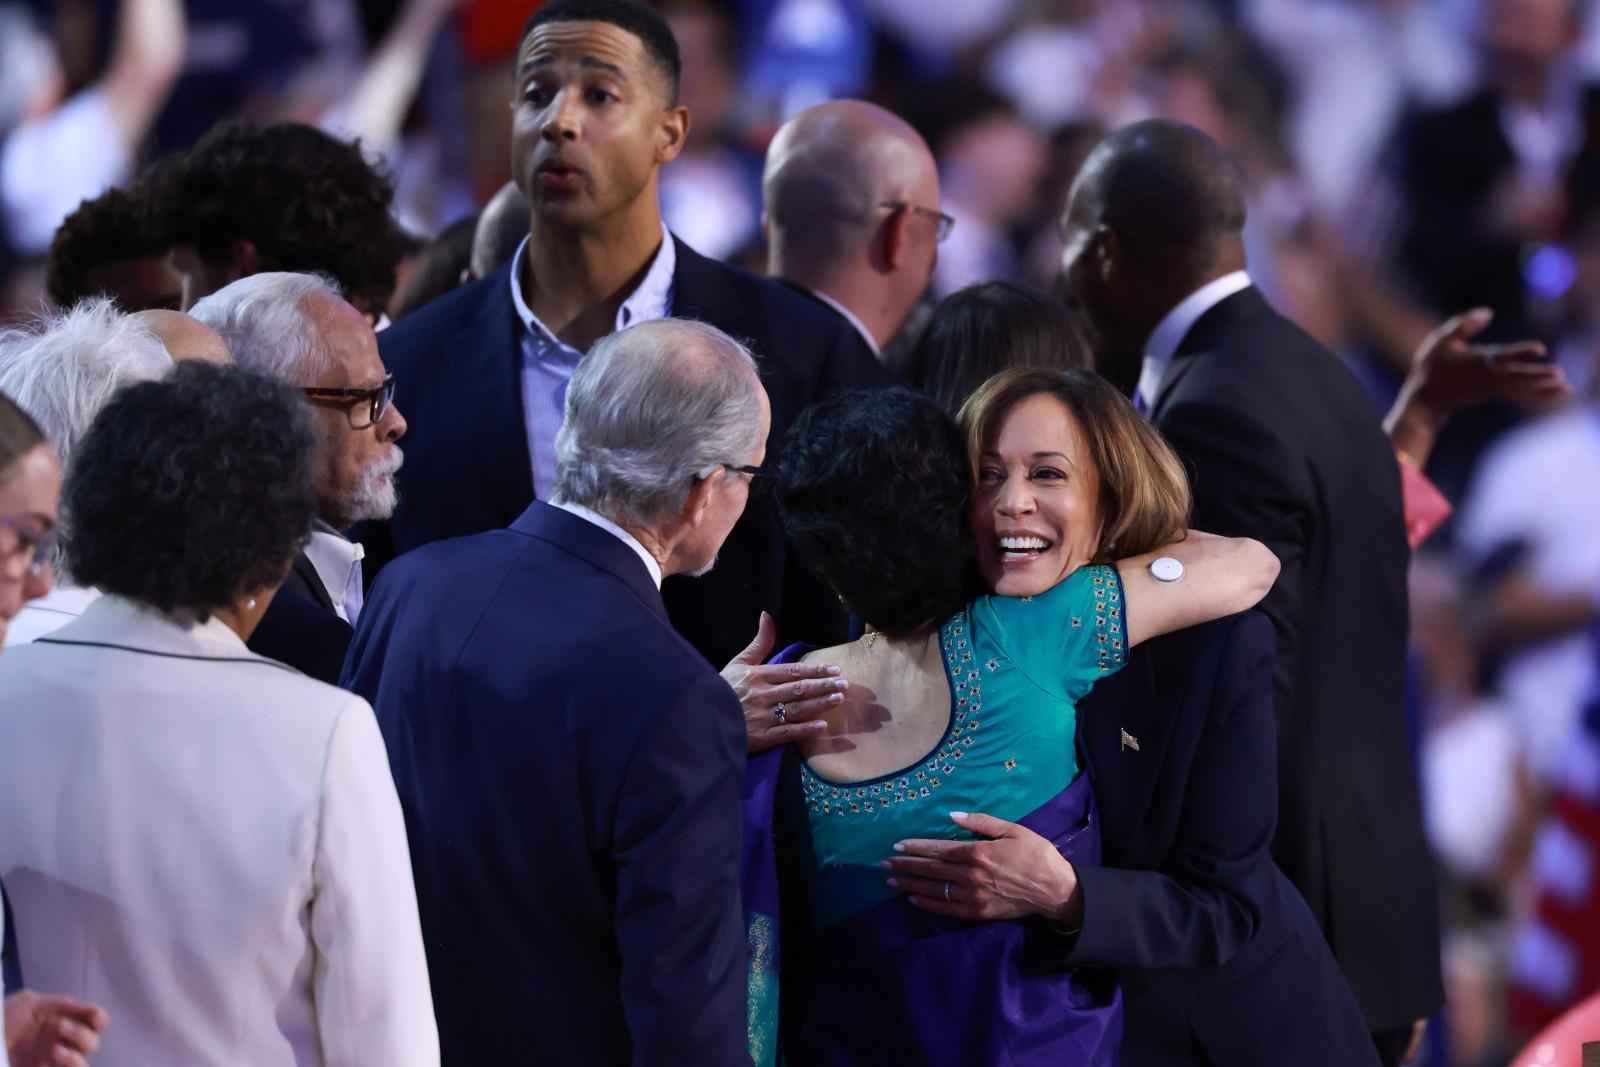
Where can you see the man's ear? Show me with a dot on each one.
(1107, 252)
(694, 508)
(671, 134)
(893, 246)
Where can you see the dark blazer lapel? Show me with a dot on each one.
(489, 398)
(1124, 725)
(699, 291)
(590, 543)
(306, 572)
(1206, 335)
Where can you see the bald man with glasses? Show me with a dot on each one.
(850, 205)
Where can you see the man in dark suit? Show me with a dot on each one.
(574, 818)
(1213, 947)
(1282, 445)
(850, 204)
(482, 370)
(297, 328)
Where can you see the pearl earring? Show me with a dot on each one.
(250, 604)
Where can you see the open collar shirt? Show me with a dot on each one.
(548, 363)
(337, 561)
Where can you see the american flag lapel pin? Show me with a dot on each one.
(1129, 741)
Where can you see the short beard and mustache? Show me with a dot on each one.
(376, 494)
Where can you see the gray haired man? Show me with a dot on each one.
(298, 329)
(570, 766)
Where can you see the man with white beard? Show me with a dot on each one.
(297, 328)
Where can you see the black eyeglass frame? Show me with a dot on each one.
(761, 478)
(378, 398)
(943, 223)
(42, 546)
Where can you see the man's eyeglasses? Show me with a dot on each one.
(370, 404)
(761, 478)
(39, 548)
(944, 223)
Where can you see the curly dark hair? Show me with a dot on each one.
(641, 20)
(191, 491)
(875, 495)
(308, 201)
(115, 226)
(981, 330)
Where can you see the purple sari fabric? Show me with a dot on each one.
(895, 984)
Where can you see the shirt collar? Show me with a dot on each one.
(333, 556)
(849, 316)
(589, 515)
(1176, 324)
(651, 299)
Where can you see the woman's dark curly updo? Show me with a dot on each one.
(875, 495)
(192, 491)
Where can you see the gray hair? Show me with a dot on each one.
(648, 409)
(267, 327)
(62, 369)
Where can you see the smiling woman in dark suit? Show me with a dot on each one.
(1219, 959)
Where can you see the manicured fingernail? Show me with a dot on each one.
(958, 815)
(818, 727)
(899, 846)
(836, 698)
(841, 685)
(894, 882)
(886, 865)
(832, 669)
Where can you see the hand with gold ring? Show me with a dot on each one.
(1011, 873)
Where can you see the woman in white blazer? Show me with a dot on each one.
(200, 839)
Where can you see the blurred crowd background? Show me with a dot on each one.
(1406, 160)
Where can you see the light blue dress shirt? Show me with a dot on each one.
(547, 363)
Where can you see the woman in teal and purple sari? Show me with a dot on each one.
(960, 702)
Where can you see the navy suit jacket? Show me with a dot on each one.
(457, 365)
(300, 627)
(570, 772)
(1220, 960)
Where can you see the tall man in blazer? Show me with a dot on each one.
(1282, 445)
(850, 205)
(575, 828)
(298, 329)
(482, 370)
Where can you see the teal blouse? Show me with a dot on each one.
(1016, 668)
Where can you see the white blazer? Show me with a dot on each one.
(208, 844)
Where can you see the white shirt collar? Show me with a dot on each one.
(849, 316)
(335, 558)
(1176, 324)
(616, 531)
(652, 299)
